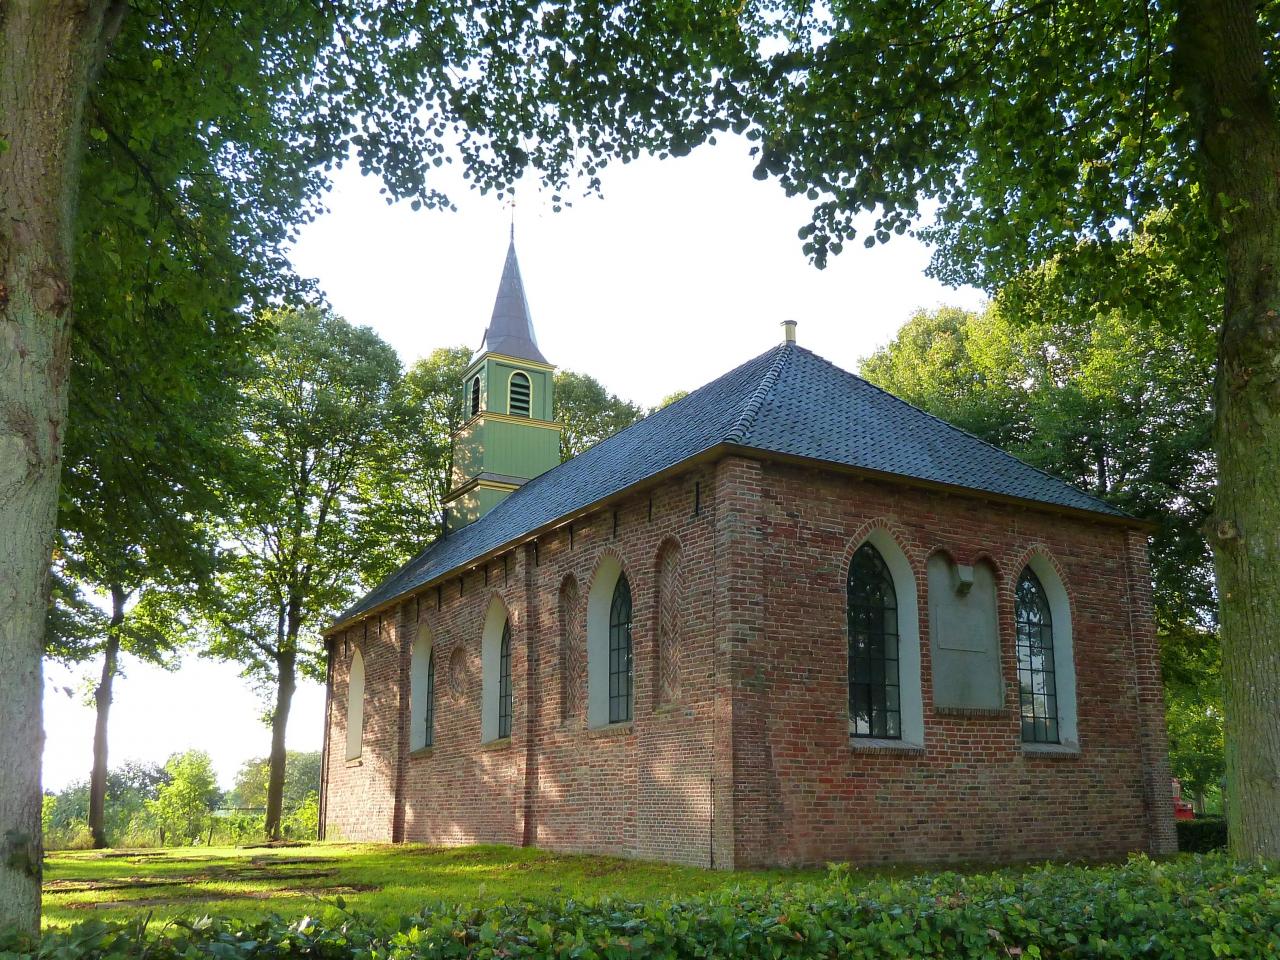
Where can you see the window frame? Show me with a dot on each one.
(1039, 714)
(505, 697)
(621, 653)
(872, 615)
(429, 704)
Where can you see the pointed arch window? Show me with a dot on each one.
(620, 676)
(520, 392)
(475, 395)
(875, 707)
(504, 682)
(1037, 673)
(355, 706)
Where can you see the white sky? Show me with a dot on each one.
(685, 269)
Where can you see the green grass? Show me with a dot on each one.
(372, 879)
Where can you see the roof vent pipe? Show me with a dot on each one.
(788, 331)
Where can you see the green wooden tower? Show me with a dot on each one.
(510, 434)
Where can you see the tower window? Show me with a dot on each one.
(520, 391)
(475, 396)
(874, 705)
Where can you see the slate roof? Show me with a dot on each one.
(510, 330)
(787, 401)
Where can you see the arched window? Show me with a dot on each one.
(495, 670)
(620, 652)
(875, 708)
(504, 682)
(475, 395)
(1037, 671)
(355, 706)
(519, 395)
(422, 692)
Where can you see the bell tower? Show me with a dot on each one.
(510, 434)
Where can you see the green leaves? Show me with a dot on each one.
(1193, 908)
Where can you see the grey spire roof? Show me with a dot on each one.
(510, 330)
(788, 401)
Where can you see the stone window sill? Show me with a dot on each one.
(876, 745)
(611, 729)
(501, 743)
(355, 762)
(1064, 751)
(420, 753)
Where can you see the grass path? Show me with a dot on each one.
(374, 879)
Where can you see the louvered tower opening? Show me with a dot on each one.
(519, 398)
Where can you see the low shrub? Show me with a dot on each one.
(1202, 835)
(1188, 908)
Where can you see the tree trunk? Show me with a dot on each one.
(286, 683)
(1222, 66)
(102, 702)
(48, 54)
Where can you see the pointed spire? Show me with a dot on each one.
(510, 331)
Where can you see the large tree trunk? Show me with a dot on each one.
(286, 683)
(1222, 67)
(102, 702)
(48, 53)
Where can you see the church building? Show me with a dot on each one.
(787, 619)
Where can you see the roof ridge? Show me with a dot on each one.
(752, 408)
(972, 436)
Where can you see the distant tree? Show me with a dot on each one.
(589, 412)
(183, 807)
(671, 398)
(403, 489)
(1106, 397)
(316, 416)
(301, 779)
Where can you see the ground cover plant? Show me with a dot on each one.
(377, 881)
(1189, 907)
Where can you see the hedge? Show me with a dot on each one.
(1202, 835)
(1187, 908)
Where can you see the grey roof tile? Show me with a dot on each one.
(787, 401)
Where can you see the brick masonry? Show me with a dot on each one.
(738, 754)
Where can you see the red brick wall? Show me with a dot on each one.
(752, 763)
(973, 792)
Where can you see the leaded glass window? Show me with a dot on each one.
(504, 682)
(518, 406)
(429, 708)
(620, 652)
(875, 708)
(1037, 683)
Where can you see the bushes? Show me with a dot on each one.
(1202, 835)
(1192, 907)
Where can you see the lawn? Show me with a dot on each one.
(371, 879)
